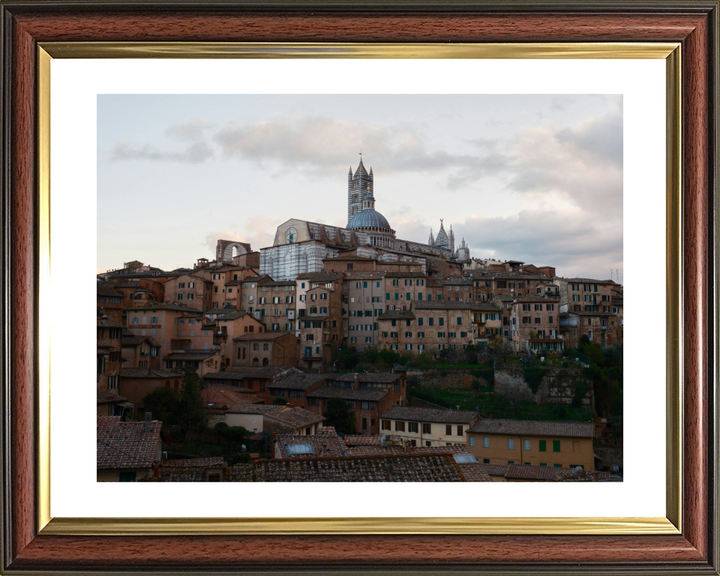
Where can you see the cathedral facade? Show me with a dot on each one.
(300, 245)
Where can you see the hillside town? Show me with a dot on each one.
(349, 354)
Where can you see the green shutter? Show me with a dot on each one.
(397, 296)
(543, 446)
(420, 296)
(408, 296)
(387, 295)
(556, 445)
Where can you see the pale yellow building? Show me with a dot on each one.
(427, 426)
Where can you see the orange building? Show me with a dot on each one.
(539, 443)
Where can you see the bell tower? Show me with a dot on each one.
(359, 185)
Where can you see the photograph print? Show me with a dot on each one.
(360, 288)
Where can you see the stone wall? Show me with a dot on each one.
(558, 385)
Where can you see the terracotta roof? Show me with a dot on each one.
(108, 291)
(320, 276)
(366, 439)
(261, 336)
(534, 428)
(360, 275)
(125, 445)
(348, 393)
(128, 341)
(397, 315)
(325, 445)
(414, 414)
(104, 397)
(474, 473)
(292, 416)
(534, 298)
(194, 355)
(108, 324)
(298, 381)
(525, 472)
(405, 274)
(495, 469)
(278, 283)
(405, 468)
(586, 281)
(147, 373)
(215, 462)
(231, 315)
(224, 399)
(442, 305)
(590, 314)
(162, 306)
(374, 377)
(485, 307)
(243, 372)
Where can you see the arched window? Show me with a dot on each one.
(255, 362)
(265, 361)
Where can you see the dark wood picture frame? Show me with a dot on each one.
(692, 23)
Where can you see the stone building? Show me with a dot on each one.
(300, 246)
(363, 301)
(538, 443)
(190, 290)
(276, 305)
(321, 327)
(428, 327)
(427, 426)
(109, 351)
(367, 395)
(265, 349)
(535, 322)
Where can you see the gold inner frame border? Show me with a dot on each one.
(671, 524)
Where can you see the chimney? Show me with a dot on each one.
(148, 420)
(357, 381)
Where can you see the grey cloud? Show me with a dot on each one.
(324, 144)
(578, 245)
(195, 153)
(600, 138)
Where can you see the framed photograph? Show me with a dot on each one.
(153, 126)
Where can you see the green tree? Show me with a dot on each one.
(235, 435)
(338, 414)
(193, 415)
(347, 359)
(164, 405)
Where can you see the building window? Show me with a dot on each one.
(412, 427)
(486, 442)
(426, 428)
(459, 430)
(399, 426)
(511, 444)
(448, 430)
(472, 441)
(386, 424)
(526, 445)
(556, 445)
(543, 446)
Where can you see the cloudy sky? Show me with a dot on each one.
(536, 178)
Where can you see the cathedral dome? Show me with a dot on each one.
(369, 218)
